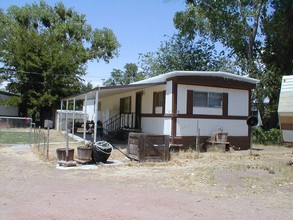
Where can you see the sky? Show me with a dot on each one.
(139, 25)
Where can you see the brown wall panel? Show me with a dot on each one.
(287, 126)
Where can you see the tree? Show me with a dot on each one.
(120, 77)
(181, 53)
(277, 57)
(44, 51)
(235, 24)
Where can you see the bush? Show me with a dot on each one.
(270, 137)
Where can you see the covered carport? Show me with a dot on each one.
(94, 94)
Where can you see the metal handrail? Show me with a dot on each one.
(118, 121)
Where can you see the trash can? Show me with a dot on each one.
(102, 151)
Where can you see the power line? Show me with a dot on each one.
(21, 71)
(34, 73)
(38, 73)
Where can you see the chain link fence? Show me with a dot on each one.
(16, 130)
(21, 130)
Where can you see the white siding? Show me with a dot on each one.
(156, 125)
(182, 98)
(238, 102)
(287, 136)
(110, 106)
(168, 104)
(147, 98)
(90, 109)
(207, 111)
(187, 127)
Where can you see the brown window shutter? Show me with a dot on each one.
(225, 104)
(164, 101)
(189, 107)
(154, 102)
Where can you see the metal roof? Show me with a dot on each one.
(105, 91)
(163, 77)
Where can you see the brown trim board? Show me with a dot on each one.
(195, 116)
(237, 142)
(213, 82)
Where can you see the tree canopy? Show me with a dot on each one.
(182, 53)
(235, 24)
(129, 75)
(44, 52)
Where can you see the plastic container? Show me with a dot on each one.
(102, 151)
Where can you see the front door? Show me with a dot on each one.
(138, 100)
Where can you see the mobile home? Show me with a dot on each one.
(176, 104)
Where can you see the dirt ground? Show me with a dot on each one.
(213, 185)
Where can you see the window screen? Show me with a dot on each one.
(207, 99)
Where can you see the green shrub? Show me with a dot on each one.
(270, 137)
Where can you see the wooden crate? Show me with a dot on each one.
(148, 147)
(218, 142)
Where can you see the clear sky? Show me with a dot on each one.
(139, 25)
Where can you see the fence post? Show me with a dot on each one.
(39, 138)
(33, 127)
(34, 133)
(48, 143)
(30, 133)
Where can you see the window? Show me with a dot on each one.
(158, 99)
(207, 99)
(99, 106)
(125, 105)
(159, 102)
(200, 99)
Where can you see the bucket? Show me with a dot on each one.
(102, 151)
(84, 153)
(61, 154)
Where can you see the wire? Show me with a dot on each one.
(52, 74)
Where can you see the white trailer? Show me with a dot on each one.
(285, 109)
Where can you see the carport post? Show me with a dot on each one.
(84, 118)
(66, 132)
(96, 115)
(60, 116)
(73, 116)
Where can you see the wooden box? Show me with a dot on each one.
(218, 142)
(148, 147)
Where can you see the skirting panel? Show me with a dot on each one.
(238, 143)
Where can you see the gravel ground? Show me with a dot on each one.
(232, 185)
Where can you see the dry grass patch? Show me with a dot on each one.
(234, 173)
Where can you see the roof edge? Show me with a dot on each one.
(164, 77)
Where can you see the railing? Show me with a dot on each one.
(121, 120)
